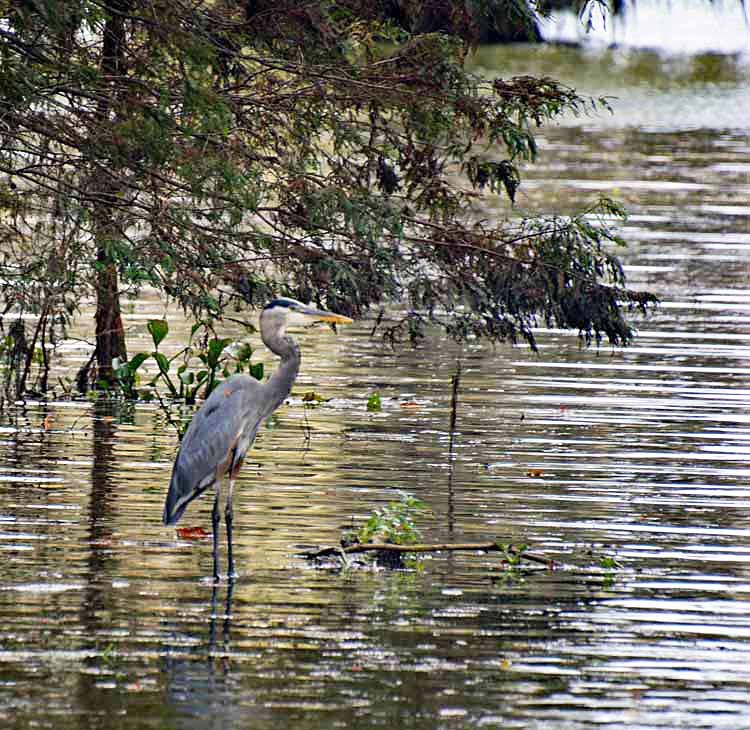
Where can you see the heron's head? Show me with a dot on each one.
(281, 313)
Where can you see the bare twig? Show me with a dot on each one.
(455, 380)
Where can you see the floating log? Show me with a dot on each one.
(387, 547)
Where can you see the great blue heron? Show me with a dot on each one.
(224, 427)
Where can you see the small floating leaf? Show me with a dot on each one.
(191, 533)
(373, 402)
(609, 563)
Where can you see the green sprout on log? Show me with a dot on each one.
(395, 523)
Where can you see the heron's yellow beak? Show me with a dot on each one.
(322, 316)
(338, 318)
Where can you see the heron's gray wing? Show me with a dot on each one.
(220, 433)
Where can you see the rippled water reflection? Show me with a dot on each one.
(630, 468)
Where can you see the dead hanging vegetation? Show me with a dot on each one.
(224, 152)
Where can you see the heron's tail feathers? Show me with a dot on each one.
(172, 510)
(179, 496)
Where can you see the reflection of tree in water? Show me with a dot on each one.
(97, 607)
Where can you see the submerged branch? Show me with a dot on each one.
(386, 547)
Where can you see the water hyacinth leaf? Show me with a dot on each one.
(243, 352)
(158, 329)
(137, 360)
(215, 348)
(162, 362)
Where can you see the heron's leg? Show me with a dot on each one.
(215, 517)
(228, 517)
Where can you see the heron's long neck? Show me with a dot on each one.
(280, 383)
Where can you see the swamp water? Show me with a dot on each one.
(629, 467)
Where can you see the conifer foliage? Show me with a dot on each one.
(226, 151)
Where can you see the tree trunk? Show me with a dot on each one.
(110, 334)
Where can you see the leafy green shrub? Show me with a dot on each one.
(395, 523)
(218, 358)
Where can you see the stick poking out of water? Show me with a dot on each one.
(455, 380)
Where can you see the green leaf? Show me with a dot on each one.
(215, 348)
(162, 362)
(244, 352)
(373, 402)
(256, 370)
(158, 329)
(610, 563)
(136, 361)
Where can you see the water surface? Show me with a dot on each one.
(628, 467)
